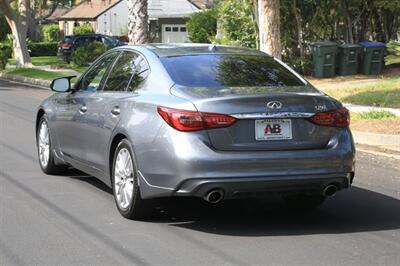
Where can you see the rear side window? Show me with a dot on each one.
(128, 73)
(221, 70)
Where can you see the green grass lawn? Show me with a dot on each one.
(42, 61)
(53, 61)
(374, 115)
(35, 73)
(383, 93)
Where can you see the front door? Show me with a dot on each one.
(106, 108)
(72, 121)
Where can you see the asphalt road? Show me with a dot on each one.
(73, 219)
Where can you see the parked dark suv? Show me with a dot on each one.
(72, 42)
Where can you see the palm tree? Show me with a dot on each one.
(138, 27)
(269, 23)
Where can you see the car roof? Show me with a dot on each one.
(180, 49)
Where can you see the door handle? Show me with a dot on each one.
(116, 110)
(83, 109)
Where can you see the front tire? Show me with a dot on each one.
(45, 151)
(125, 184)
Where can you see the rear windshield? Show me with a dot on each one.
(68, 39)
(219, 70)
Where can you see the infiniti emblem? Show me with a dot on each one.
(274, 105)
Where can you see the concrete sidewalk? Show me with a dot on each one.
(364, 109)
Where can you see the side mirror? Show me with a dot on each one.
(61, 84)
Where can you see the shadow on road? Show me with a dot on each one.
(350, 211)
(354, 210)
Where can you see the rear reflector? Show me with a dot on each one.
(184, 120)
(336, 118)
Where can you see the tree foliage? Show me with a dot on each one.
(202, 26)
(83, 29)
(86, 54)
(51, 33)
(237, 23)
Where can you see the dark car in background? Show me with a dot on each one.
(72, 42)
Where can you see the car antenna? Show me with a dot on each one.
(213, 48)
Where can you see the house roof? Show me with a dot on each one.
(91, 9)
(171, 8)
(202, 4)
(58, 12)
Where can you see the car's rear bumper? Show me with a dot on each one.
(193, 168)
(248, 187)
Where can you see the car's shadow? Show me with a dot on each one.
(350, 211)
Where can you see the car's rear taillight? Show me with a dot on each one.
(184, 120)
(336, 118)
(66, 45)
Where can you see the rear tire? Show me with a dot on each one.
(125, 184)
(304, 202)
(45, 150)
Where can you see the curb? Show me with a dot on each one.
(44, 84)
(391, 142)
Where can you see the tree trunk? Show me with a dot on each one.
(138, 27)
(18, 29)
(256, 21)
(269, 21)
(299, 24)
(349, 22)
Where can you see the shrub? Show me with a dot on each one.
(83, 29)
(42, 48)
(393, 48)
(88, 53)
(202, 26)
(51, 33)
(5, 53)
(4, 28)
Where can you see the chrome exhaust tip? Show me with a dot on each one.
(214, 196)
(330, 190)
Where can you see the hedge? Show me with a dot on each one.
(43, 48)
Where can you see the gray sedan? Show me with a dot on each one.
(207, 121)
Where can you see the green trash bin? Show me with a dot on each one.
(372, 57)
(324, 58)
(348, 59)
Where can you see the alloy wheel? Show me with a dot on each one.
(44, 144)
(123, 178)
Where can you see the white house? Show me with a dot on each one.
(167, 18)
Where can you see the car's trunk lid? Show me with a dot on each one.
(258, 126)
